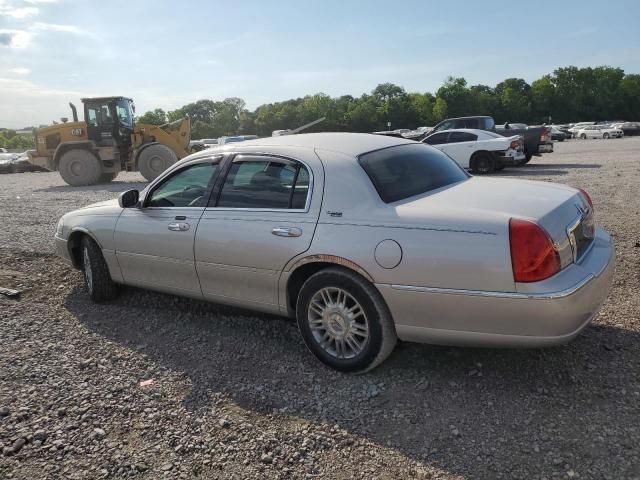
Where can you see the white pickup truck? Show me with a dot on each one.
(480, 151)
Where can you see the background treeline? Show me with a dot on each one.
(11, 140)
(570, 94)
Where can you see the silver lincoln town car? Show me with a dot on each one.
(364, 239)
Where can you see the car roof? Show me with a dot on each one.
(474, 131)
(352, 144)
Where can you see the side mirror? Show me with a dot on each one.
(128, 199)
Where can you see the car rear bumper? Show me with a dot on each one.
(544, 314)
(545, 148)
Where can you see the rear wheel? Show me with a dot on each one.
(80, 167)
(583, 136)
(344, 321)
(482, 163)
(97, 278)
(154, 160)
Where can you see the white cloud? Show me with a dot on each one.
(15, 38)
(20, 13)
(20, 71)
(54, 27)
(25, 103)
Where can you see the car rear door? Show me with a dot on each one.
(460, 146)
(264, 215)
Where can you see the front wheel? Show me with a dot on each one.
(97, 278)
(344, 321)
(605, 136)
(154, 160)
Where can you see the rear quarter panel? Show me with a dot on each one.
(439, 248)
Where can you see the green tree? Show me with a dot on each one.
(455, 94)
(440, 110)
(154, 117)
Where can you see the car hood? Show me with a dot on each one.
(106, 203)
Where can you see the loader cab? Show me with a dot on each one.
(109, 120)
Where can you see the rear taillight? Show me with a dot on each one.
(533, 254)
(587, 197)
(544, 135)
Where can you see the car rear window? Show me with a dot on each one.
(406, 170)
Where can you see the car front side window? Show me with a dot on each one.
(269, 183)
(189, 187)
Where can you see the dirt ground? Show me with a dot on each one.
(233, 394)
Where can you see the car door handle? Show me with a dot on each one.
(287, 231)
(179, 226)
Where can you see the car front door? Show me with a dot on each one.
(262, 217)
(154, 243)
(460, 146)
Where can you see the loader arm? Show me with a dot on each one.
(175, 135)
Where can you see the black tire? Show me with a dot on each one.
(482, 163)
(108, 177)
(500, 166)
(80, 167)
(154, 160)
(583, 136)
(97, 278)
(381, 338)
(605, 136)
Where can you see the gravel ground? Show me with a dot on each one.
(230, 394)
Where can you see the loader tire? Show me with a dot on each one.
(80, 167)
(154, 160)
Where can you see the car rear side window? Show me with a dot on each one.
(457, 137)
(406, 170)
(259, 182)
(437, 139)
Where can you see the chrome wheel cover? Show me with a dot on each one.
(338, 323)
(88, 273)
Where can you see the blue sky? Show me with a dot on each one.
(168, 53)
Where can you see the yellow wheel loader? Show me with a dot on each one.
(108, 141)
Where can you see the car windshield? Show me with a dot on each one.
(404, 171)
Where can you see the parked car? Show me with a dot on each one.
(536, 139)
(479, 150)
(557, 134)
(3, 150)
(628, 128)
(599, 131)
(362, 238)
(565, 129)
(579, 126)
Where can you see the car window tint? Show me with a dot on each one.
(457, 137)
(436, 139)
(265, 183)
(406, 170)
(186, 188)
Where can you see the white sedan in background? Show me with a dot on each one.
(599, 131)
(480, 151)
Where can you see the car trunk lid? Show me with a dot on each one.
(562, 211)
